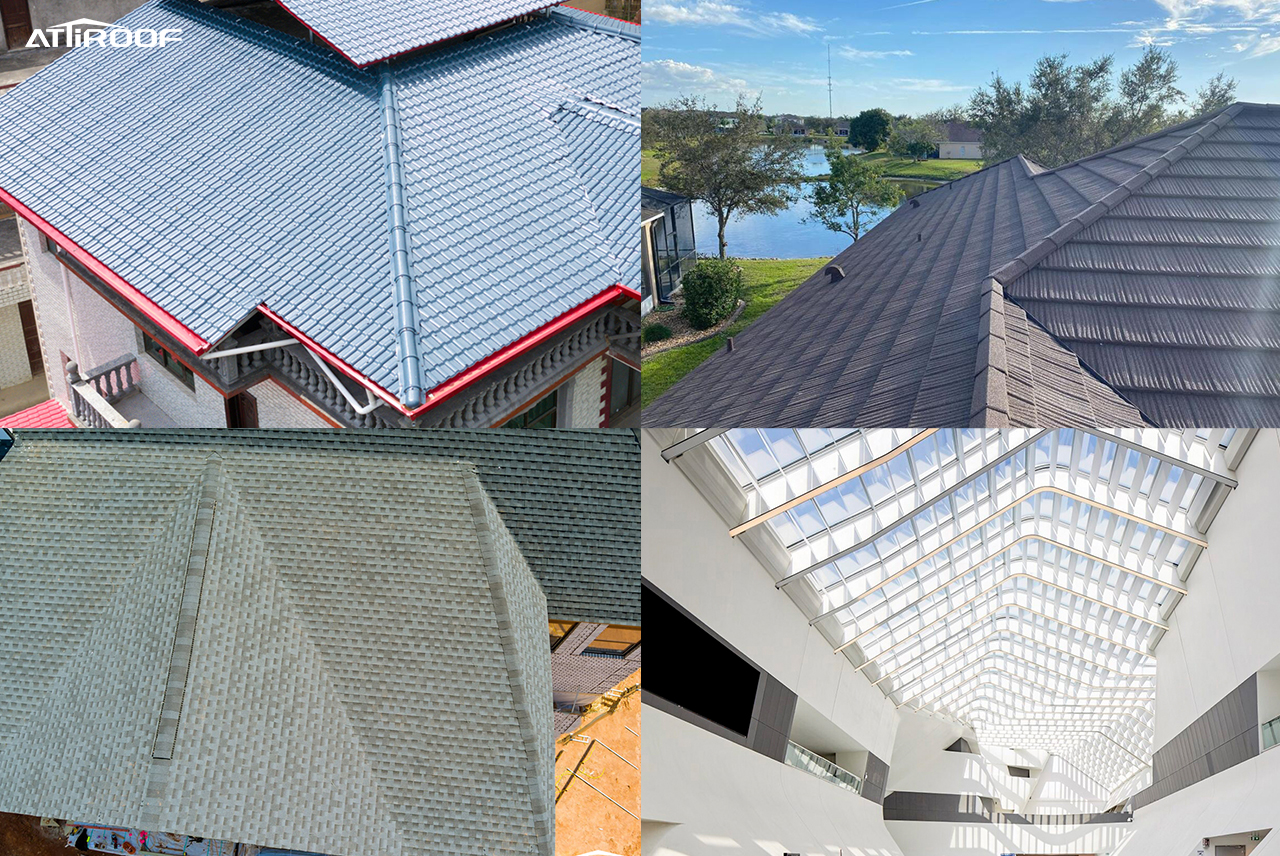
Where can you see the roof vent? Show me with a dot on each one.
(915, 203)
(6, 442)
(834, 273)
(730, 343)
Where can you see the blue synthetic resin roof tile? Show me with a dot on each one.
(366, 31)
(244, 166)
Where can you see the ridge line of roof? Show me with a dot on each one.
(404, 293)
(1193, 122)
(991, 371)
(1059, 237)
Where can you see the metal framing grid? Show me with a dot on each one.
(1013, 580)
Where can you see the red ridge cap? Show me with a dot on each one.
(140, 301)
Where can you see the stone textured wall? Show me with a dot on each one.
(14, 287)
(15, 368)
(277, 408)
(584, 404)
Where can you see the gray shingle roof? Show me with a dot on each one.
(570, 498)
(253, 173)
(1138, 285)
(369, 30)
(319, 649)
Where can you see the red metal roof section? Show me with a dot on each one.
(140, 301)
(50, 414)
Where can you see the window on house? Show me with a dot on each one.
(48, 244)
(559, 630)
(615, 640)
(541, 415)
(169, 361)
(626, 388)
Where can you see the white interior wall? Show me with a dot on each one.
(920, 838)
(706, 796)
(1225, 629)
(688, 554)
(1243, 798)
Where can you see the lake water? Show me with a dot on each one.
(784, 236)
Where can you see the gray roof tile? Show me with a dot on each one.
(1139, 285)
(519, 155)
(368, 31)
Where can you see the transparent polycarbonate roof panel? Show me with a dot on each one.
(991, 576)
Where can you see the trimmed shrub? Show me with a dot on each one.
(655, 333)
(711, 292)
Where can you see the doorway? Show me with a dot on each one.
(242, 411)
(31, 335)
(17, 23)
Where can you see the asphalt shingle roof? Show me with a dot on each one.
(370, 30)
(570, 498)
(1138, 284)
(242, 167)
(253, 644)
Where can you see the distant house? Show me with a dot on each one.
(667, 244)
(842, 130)
(789, 126)
(727, 124)
(963, 142)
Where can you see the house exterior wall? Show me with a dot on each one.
(960, 151)
(94, 332)
(277, 408)
(15, 368)
(14, 287)
(585, 394)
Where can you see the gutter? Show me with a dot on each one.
(406, 297)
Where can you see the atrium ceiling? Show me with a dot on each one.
(1014, 581)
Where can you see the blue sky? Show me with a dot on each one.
(911, 57)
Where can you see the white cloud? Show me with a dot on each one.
(668, 75)
(855, 54)
(1258, 44)
(920, 84)
(715, 13)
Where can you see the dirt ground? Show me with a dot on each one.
(586, 820)
(23, 836)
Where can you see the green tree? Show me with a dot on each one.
(1218, 92)
(869, 130)
(735, 170)
(913, 138)
(1066, 112)
(855, 190)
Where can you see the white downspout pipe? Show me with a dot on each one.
(355, 405)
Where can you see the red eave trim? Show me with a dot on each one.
(488, 365)
(140, 301)
(501, 357)
(343, 53)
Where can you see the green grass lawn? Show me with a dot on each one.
(935, 170)
(767, 282)
(648, 168)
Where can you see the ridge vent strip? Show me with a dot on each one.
(188, 615)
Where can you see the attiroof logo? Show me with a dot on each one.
(85, 31)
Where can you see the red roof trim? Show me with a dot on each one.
(486, 366)
(498, 358)
(140, 301)
(343, 53)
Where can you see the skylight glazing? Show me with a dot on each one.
(1014, 580)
